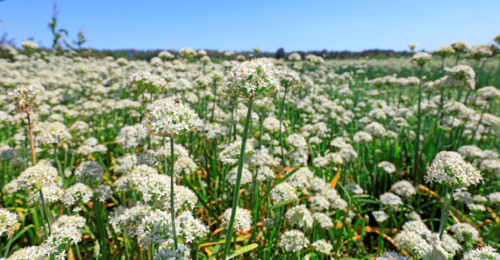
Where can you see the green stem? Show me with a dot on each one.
(446, 209)
(281, 124)
(45, 212)
(172, 211)
(417, 137)
(238, 181)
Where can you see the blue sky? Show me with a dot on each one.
(242, 25)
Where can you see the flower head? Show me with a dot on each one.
(252, 79)
(170, 118)
(453, 170)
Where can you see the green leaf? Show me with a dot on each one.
(6, 248)
(276, 183)
(282, 203)
(242, 251)
(200, 198)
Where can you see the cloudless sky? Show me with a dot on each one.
(241, 25)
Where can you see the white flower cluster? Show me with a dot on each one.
(37, 177)
(380, 216)
(179, 151)
(453, 170)
(421, 58)
(155, 228)
(323, 220)
(242, 220)
(288, 77)
(323, 247)
(126, 163)
(293, 240)
(319, 203)
(166, 251)
(444, 51)
(486, 252)
(231, 154)
(131, 136)
(413, 243)
(391, 256)
(77, 194)
(189, 228)
(8, 222)
(103, 192)
(183, 197)
(51, 193)
(391, 200)
(465, 232)
(246, 176)
(272, 125)
(253, 79)
(296, 141)
(283, 191)
(129, 219)
(30, 45)
(88, 172)
(170, 118)
(184, 166)
(187, 53)
(53, 133)
(354, 188)
(388, 167)
(144, 81)
(300, 215)
(403, 188)
(294, 56)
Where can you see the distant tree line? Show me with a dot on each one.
(217, 56)
(280, 53)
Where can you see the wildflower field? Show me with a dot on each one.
(297, 158)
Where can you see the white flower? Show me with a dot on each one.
(323, 247)
(231, 154)
(465, 231)
(242, 219)
(391, 256)
(403, 188)
(36, 177)
(300, 215)
(283, 191)
(252, 79)
(486, 252)
(454, 171)
(8, 222)
(387, 167)
(380, 216)
(391, 200)
(170, 118)
(293, 240)
(88, 172)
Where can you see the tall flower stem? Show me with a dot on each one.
(417, 137)
(172, 210)
(45, 212)
(59, 166)
(281, 125)
(446, 210)
(215, 102)
(479, 122)
(229, 231)
(33, 156)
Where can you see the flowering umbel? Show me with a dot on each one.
(24, 99)
(252, 79)
(170, 118)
